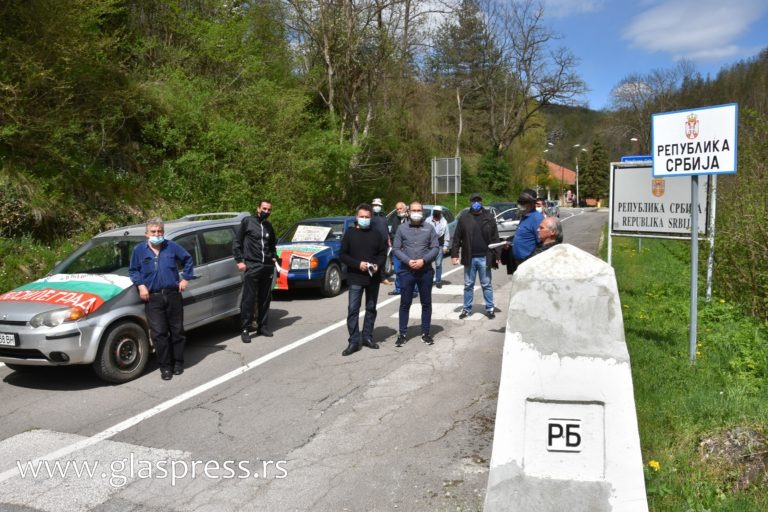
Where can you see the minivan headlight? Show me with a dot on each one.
(57, 317)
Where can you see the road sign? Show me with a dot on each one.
(695, 141)
(637, 158)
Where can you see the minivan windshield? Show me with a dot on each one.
(107, 255)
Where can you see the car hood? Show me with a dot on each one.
(88, 291)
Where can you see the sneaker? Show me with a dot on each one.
(426, 338)
(401, 340)
(439, 285)
(245, 336)
(464, 314)
(394, 292)
(491, 314)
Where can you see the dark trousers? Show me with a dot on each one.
(422, 280)
(353, 311)
(257, 293)
(165, 315)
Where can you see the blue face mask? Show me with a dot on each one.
(377, 209)
(364, 222)
(156, 240)
(476, 205)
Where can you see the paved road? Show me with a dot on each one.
(284, 423)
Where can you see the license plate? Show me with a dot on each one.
(9, 340)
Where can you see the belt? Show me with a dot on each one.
(165, 291)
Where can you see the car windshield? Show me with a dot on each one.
(314, 231)
(110, 255)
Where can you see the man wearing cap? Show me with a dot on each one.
(379, 225)
(475, 231)
(526, 237)
(443, 238)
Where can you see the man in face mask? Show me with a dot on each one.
(153, 269)
(400, 217)
(363, 251)
(379, 224)
(443, 238)
(255, 254)
(416, 247)
(475, 231)
(526, 236)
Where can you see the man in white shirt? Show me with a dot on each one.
(443, 237)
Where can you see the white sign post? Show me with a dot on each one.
(690, 143)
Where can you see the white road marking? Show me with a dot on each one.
(164, 406)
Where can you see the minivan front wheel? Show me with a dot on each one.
(123, 353)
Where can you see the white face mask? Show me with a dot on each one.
(376, 209)
(540, 209)
(417, 216)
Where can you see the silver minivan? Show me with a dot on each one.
(87, 311)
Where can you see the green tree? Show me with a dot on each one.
(594, 173)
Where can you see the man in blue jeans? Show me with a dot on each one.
(474, 233)
(416, 247)
(363, 251)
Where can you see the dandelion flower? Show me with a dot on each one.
(654, 465)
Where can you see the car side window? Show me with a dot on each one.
(447, 215)
(192, 245)
(218, 244)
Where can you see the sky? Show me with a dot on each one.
(616, 38)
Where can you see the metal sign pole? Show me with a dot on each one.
(694, 264)
(711, 257)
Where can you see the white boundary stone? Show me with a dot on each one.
(566, 433)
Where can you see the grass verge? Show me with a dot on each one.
(703, 425)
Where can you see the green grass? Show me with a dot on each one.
(680, 404)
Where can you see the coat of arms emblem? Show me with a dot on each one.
(657, 187)
(692, 126)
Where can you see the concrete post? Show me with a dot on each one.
(566, 434)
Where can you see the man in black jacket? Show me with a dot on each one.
(255, 253)
(474, 232)
(363, 251)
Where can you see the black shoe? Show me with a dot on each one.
(370, 344)
(245, 336)
(464, 314)
(491, 314)
(351, 349)
(426, 338)
(393, 292)
(166, 374)
(263, 331)
(438, 285)
(401, 340)
(178, 369)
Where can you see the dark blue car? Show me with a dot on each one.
(308, 255)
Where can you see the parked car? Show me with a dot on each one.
(554, 208)
(308, 255)
(506, 220)
(87, 311)
(500, 206)
(448, 215)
